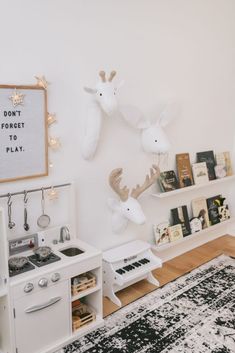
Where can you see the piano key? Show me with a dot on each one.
(120, 271)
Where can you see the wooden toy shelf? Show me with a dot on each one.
(82, 315)
(86, 285)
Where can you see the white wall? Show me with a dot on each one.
(163, 49)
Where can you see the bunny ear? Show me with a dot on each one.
(134, 117)
(90, 90)
(170, 113)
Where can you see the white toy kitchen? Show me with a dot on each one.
(50, 281)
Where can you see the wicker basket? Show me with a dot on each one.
(82, 315)
(85, 281)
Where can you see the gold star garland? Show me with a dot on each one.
(53, 142)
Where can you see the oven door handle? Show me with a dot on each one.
(50, 302)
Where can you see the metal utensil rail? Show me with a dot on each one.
(35, 190)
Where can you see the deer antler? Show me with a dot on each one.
(149, 180)
(114, 182)
(102, 75)
(112, 74)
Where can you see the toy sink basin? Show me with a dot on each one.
(73, 251)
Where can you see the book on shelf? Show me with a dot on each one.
(200, 173)
(228, 164)
(213, 204)
(200, 210)
(184, 170)
(221, 168)
(220, 171)
(161, 234)
(209, 158)
(195, 225)
(180, 216)
(175, 232)
(220, 158)
(224, 213)
(168, 181)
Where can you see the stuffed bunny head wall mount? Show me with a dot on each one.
(153, 136)
(128, 208)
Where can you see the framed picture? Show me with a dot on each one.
(23, 132)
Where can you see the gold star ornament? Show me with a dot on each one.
(17, 98)
(54, 143)
(51, 119)
(53, 194)
(42, 82)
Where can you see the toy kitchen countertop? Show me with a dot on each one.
(65, 255)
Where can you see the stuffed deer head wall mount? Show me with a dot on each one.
(127, 208)
(104, 102)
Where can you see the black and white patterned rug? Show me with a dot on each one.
(195, 313)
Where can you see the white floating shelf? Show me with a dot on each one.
(206, 230)
(193, 187)
(85, 293)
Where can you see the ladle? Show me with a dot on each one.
(11, 224)
(26, 225)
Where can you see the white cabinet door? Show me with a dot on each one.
(42, 318)
(3, 253)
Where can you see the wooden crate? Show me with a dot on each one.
(86, 280)
(82, 315)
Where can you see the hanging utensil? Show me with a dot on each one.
(44, 220)
(11, 224)
(26, 225)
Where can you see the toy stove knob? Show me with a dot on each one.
(43, 282)
(55, 277)
(28, 287)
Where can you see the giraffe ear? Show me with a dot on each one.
(90, 90)
(120, 84)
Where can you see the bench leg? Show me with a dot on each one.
(112, 296)
(151, 279)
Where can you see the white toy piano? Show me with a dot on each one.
(128, 264)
